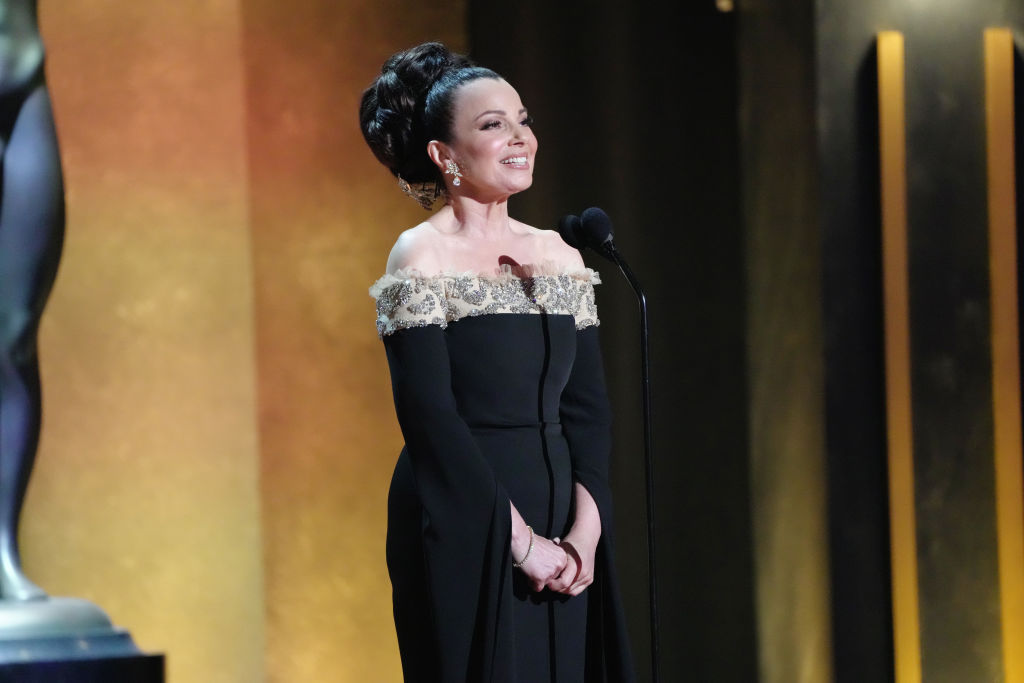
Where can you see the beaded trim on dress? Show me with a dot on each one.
(408, 298)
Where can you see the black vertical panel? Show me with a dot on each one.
(1018, 130)
(950, 347)
(850, 219)
(636, 112)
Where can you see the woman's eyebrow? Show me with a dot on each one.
(500, 112)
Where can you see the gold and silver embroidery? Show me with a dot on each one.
(410, 299)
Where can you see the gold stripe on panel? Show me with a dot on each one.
(1002, 225)
(892, 136)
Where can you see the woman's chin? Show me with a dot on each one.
(522, 185)
(500, 194)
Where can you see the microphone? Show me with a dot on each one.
(569, 229)
(593, 229)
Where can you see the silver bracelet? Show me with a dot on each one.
(521, 562)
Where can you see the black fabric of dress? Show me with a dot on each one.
(493, 408)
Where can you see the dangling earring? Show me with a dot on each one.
(452, 169)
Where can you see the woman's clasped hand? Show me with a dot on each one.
(579, 568)
(560, 565)
(545, 563)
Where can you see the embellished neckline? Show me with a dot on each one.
(411, 298)
(503, 272)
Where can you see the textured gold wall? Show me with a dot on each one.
(218, 433)
(324, 214)
(145, 494)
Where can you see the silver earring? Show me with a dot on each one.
(452, 169)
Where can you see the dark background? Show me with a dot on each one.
(635, 108)
(737, 154)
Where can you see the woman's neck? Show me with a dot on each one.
(486, 221)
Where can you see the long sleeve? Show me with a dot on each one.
(586, 418)
(466, 515)
(586, 422)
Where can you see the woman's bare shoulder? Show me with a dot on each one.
(551, 248)
(415, 249)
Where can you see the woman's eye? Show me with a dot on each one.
(528, 121)
(491, 124)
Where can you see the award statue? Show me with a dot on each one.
(31, 233)
(33, 626)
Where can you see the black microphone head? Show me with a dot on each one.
(569, 229)
(595, 228)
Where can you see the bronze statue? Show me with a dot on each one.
(31, 235)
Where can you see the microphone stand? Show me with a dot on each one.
(613, 254)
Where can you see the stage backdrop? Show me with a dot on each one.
(218, 435)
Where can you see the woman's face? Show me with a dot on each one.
(492, 140)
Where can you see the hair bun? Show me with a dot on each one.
(419, 67)
(412, 103)
(391, 107)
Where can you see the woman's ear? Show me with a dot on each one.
(438, 153)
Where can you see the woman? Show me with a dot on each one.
(499, 512)
(31, 235)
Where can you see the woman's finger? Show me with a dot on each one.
(581, 583)
(564, 581)
(557, 585)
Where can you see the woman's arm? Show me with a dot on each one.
(580, 546)
(586, 422)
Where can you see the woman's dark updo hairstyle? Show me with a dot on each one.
(410, 104)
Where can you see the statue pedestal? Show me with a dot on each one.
(58, 640)
(135, 669)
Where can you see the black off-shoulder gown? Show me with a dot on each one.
(500, 397)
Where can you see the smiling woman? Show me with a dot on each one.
(491, 142)
(499, 514)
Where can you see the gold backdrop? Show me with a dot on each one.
(218, 435)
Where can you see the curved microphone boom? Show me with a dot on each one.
(594, 229)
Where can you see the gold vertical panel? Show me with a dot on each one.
(324, 214)
(144, 499)
(892, 135)
(1002, 220)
